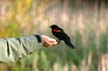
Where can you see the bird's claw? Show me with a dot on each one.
(58, 41)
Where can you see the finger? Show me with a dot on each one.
(53, 42)
(45, 45)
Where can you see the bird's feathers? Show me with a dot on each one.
(61, 35)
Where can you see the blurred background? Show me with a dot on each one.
(84, 20)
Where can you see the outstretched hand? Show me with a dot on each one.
(47, 41)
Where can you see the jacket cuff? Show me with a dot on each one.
(38, 38)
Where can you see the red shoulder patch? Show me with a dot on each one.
(56, 30)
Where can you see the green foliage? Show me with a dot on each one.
(103, 42)
(13, 29)
(78, 54)
(43, 62)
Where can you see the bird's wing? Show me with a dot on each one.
(68, 41)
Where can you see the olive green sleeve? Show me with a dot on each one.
(12, 49)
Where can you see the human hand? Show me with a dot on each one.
(47, 41)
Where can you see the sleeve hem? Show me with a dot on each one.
(38, 38)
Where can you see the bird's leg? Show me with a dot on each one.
(58, 41)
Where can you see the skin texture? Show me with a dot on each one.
(61, 35)
(47, 41)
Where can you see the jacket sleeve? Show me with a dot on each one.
(12, 49)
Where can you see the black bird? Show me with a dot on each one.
(61, 35)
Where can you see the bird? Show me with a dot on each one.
(59, 33)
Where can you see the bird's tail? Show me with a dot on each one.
(68, 43)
